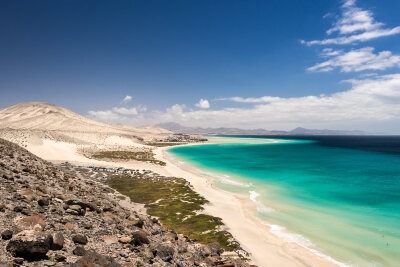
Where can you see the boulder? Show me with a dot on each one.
(7, 234)
(43, 202)
(29, 247)
(58, 241)
(80, 239)
(79, 251)
(139, 238)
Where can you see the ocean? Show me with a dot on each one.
(339, 196)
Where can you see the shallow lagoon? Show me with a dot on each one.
(343, 202)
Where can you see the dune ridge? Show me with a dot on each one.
(29, 124)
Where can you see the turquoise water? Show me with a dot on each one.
(343, 202)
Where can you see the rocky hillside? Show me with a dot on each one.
(52, 218)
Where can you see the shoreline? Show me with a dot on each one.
(238, 213)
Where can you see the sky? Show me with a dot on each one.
(277, 65)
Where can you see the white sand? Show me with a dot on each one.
(238, 214)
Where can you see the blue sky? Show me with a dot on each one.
(254, 64)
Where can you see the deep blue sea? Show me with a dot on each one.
(339, 195)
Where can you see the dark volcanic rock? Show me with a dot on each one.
(80, 239)
(79, 251)
(43, 202)
(3, 208)
(58, 241)
(7, 234)
(30, 250)
(18, 209)
(139, 238)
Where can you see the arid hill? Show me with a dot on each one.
(47, 117)
(50, 131)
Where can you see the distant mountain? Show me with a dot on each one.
(177, 128)
(304, 131)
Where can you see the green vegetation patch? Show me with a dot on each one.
(176, 205)
(128, 155)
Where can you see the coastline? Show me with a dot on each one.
(238, 214)
(237, 211)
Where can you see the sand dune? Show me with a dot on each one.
(30, 123)
(48, 117)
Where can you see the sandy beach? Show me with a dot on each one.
(238, 214)
(237, 211)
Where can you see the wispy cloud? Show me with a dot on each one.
(117, 114)
(263, 99)
(355, 25)
(126, 99)
(104, 115)
(203, 103)
(125, 111)
(356, 60)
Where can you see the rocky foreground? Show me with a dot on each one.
(50, 218)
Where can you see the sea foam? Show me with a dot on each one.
(280, 231)
(253, 196)
(225, 179)
(260, 207)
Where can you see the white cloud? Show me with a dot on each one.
(263, 99)
(203, 103)
(116, 114)
(126, 99)
(355, 25)
(106, 115)
(126, 111)
(178, 109)
(356, 60)
(329, 52)
(371, 100)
